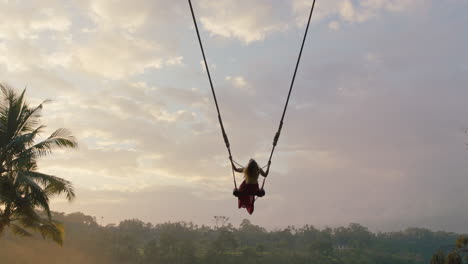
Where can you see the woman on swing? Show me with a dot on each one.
(249, 187)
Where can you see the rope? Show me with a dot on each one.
(237, 163)
(220, 120)
(278, 133)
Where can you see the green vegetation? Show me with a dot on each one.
(133, 241)
(455, 256)
(22, 188)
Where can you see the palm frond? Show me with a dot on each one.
(33, 192)
(29, 118)
(8, 93)
(47, 228)
(7, 190)
(17, 230)
(53, 230)
(18, 143)
(16, 117)
(26, 215)
(15, 108)
(53, 185)
(26, 160)
(61, 138)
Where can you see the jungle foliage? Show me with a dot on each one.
(133, 241)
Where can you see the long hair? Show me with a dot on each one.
(252, 168)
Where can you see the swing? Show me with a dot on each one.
(250, 191)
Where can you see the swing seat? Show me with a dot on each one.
(261, 193)
(246, 195)
(250, 190)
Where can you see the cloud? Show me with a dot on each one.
(116, 57)
(237, 81)
(131, 17)
(107, 40)
(392, 5)
(352, 11)
(247, 21)
(126, 141)
(175, 61)
(334, 25)
(119, 40)
(27, 22)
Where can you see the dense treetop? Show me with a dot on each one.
(133, 241)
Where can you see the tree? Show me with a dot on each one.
(22, 188)
(225, 240)
(453, 258)
(462, 243)
(438, 258)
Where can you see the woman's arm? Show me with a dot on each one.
(263, 173)
(240, 170)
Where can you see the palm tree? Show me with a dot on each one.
(24, 190)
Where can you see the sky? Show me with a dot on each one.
(374, 134)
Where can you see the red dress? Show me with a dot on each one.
(246, 197)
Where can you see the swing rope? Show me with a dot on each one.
(226, 140)
(278, 133)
